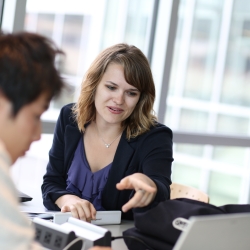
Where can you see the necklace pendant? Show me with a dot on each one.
(107, 145)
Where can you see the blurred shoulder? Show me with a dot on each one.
(160, 128)
(66, 115)
(156, 133)
(67, 108)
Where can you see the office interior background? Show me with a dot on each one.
(199, 51)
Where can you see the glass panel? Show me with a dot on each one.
(202, 55)
(110, 25)
(229, 124)
(212, 85)
(127, 21)
(193, 120)
(30, 22)
(71, 41)
(236, 87)
(193, 66)
(230, 155)
(221, 172)
(45, 24)
(193, 150)
(137, 24)
(224, 188)
(201, 45)
(209, 91)
(186, 175)
(67, 96)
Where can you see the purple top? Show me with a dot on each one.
(82, 182)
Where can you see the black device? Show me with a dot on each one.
(23, 197)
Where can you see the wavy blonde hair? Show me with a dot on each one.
(137, 73)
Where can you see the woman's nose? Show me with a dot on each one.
(119, 98)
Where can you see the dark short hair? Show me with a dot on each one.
(27, 68)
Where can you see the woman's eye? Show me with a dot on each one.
(110, 87)
(132, 93)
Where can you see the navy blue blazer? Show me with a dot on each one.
(149, 153)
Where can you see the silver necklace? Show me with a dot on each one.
(107, 145)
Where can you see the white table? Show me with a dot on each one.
(35, 206)
(116, 230)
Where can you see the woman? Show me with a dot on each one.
(110, 140)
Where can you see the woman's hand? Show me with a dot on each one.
(145, 190)
(79, 208)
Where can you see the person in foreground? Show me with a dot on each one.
(109, 152)
(28, 81)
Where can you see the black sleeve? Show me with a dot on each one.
(157, 160)
(156, 157)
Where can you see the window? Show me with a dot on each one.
(209, 94)
(201, 67)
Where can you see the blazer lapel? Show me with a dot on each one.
(71, 137)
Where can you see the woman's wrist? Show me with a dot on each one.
(63, 199)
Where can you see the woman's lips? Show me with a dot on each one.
(115, 110)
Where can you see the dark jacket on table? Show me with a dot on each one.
(149, 153)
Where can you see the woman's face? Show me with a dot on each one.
(115, 99)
